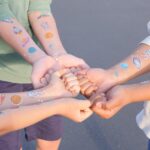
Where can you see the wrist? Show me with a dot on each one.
(40, 55)
(56, 53)
(127, 94)
(115, 77)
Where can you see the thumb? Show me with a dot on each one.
(84, 104)
(83, 72)
(86, 114)
(111, 104)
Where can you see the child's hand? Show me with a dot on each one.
(76, 110)
(118, 96)
(115, 99)
(100, 77)
(62, 84)
(41, 68)
(68, 61)
(86, 86)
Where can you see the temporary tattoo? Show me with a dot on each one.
(32, 50)
(137, 62)
(17, 30)
(34, 93)
(145, 82)
(45, 25)
(40, 100)
(43, 15)
(48, 35)
(8, 20)
(25, 41)
(147, 54)
(116, 73)
(2, 98)
(124, 66)
(16, 100)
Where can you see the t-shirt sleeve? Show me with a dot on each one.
(42, 6)
(5, 12)
(147, 39)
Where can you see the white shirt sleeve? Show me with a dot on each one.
(143, 119)
(147, 39)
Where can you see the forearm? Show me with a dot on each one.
(138, 92)
(17, 37)
(18, 99)
(134, 65)
(44, 27)
(16, 119)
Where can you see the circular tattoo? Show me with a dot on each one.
(16, 100)
(48, 35)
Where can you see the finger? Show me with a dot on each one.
(68, 75)
(78, 69)
(47, 76)
(75, 92)
(85, 87)
(84, 66)
(70, 79)
(69, 85)
(76, 86)
(96, 99)
(64, 72)
(89, 91)
(112, 103)
(106, 114)
(83, 81)
(80, 77)
(83, 104)
(83, 72)
(43, 81)
(86, 113)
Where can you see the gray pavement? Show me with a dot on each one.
(102, 32)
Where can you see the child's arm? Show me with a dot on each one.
(134, 65)
(120, 96)
(44, 27)
(17, 37)
(15, 119)
(55, 89)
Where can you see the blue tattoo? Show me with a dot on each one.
(124, 66)
(32, 50)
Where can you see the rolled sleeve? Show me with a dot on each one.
(42, 6)
(143, 119)
(5, 11)
(147, 39)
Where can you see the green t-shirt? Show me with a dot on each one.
(13, 68)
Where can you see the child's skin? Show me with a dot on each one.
(53, 58)
(136, 64)
(44, 27)
(16, 36)
(120, 96)
(14, 119)
(56, 89)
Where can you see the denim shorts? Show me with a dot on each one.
(50, 129)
